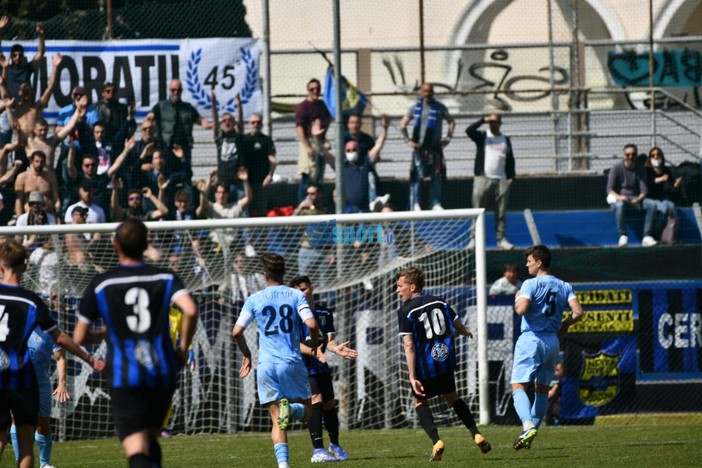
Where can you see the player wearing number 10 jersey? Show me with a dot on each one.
(281, 374)
(133, 300)
(427, 325)
(540, 303)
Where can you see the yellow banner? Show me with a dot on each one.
(603, 321)
(604, 296)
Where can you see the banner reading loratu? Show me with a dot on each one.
(141, 71)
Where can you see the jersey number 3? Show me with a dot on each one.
(138, 298)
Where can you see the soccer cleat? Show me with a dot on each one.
(649, 241)
(338, 452)
(623, 241)
(438, 451)
(525, 439)
(284, 415)
(48, 465)
(504, 244)
(482, 443)
(322, 456)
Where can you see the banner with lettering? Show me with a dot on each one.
(142, 69)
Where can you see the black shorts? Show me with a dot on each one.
(440, 385)
(322, 383)
(136, 409)
(23, 404)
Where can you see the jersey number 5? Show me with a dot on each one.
(551, 301)
(138, 298)
(434, 325)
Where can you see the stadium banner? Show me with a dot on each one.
(632, 334)
(142, 69)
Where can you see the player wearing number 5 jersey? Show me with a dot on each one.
(281, 374)
(427, 326)
(540, 303)
(133, 300)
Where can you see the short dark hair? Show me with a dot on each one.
(134, 190)
(510, 267)
(108, 84)
(631, 145)
(298, 280)
(13, 255)
(182, 195)
(37, 153)
(132, 237)
(413, 276)
(314, 80)
(99, 123)
(539, 252)
(16, 48)
(274, 266)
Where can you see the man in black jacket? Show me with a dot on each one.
(494, 172)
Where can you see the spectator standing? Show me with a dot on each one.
(94, 214)
(83, 133)
(494, 172)
(174, 120)
(135, 204)
(313, 148)
(370, 148)
(553, 410)
(357, 171)
(139, 163)
(19, 71)
(117, 118)
(662, 187)
(259, 158)
(37, 178)
(313, 261)
(627, 191)
(427, 117)
(508, 284)
(229, 138)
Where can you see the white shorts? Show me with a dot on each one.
(282, 380)
(535, 358)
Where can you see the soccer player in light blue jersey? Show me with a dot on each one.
(540, 303)
(282, 376)
(41, 348)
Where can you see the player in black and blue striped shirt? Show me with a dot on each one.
(427, 326)
(20, 312)
(133, 300)
(319, 375)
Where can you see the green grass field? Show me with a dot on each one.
(650, 442)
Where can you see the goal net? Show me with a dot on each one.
(351, 260)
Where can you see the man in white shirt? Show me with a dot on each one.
(494, 172)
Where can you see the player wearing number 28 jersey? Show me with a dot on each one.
(540, 302)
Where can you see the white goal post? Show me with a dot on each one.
(352, 261)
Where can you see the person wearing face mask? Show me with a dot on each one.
(663, 186)
(356, 170)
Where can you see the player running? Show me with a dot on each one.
(282, 376)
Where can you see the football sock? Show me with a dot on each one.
(140, 460)
(155, 452)
(523, 407)
(538, 410)
(426, 420)
(44, 443)
(15, 444)
(297, 411)
(281, 453)
(463, 412)
(315, 426)
(331, 423)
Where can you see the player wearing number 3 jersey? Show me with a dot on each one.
(540, 303)
(133, 300)
(281, 374)
(427, 326)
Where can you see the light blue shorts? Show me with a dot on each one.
(535, 358)
(45, 391)
(282, 380)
